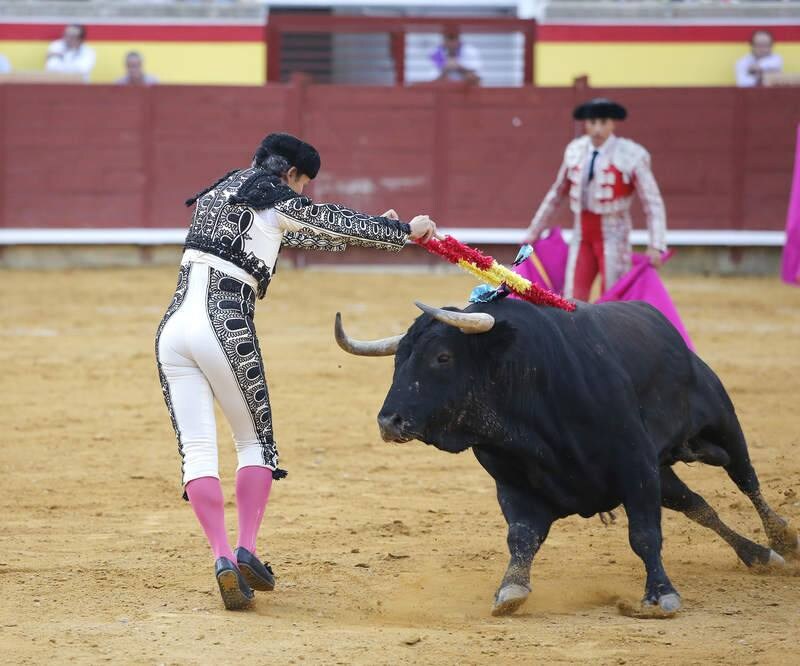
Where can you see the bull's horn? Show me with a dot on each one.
(383, 347)
(468, 322)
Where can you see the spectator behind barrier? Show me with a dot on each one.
(134, 72)
(70, 55)
(456, 61)
(750, 69)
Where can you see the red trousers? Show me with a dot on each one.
(591, 259)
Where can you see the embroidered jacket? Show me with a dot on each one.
(251, 239)
(622, 168)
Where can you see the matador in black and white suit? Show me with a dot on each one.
(206, 344)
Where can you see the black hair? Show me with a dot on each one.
(274, 165)
(258, 191)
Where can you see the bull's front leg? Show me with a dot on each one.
(528, 525)
(643, 506)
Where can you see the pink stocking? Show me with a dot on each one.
(252, 492)
(205, 496)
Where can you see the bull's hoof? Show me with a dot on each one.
(786, 543)
(776, 560)
(778, 566)
(668, 605)
(509, 599)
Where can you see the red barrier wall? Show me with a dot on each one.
(103, 156)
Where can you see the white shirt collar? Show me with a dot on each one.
(604, 146)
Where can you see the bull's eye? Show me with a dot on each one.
(443, 358)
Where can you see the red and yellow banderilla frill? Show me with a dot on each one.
(487, 269)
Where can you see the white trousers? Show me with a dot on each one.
(207, 348)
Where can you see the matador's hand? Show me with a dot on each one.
(422, 228)
(655, 257)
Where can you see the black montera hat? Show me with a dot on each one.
(599, 107)
(297, 152)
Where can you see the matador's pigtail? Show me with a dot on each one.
(190, 201)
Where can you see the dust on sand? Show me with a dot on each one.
(385, 554)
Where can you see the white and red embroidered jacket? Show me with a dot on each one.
(621, 168)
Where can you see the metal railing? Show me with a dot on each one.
(394, 51)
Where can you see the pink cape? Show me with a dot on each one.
(790, 268)
(547, 266)
(548, 263)
(642, 283)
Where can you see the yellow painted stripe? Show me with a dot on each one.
(212, 63)
(637, 64)
(557, 63)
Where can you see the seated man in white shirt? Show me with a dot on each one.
(70, 55)
(456, 61)
(750, 69)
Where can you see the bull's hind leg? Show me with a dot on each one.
(528, 526)
(782, 537)
(676, 495)
(643, 505)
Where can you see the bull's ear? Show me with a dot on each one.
(503, 334)
(497, 341)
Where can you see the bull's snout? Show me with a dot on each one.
(393, 427)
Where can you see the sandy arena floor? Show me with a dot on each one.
(385, 554)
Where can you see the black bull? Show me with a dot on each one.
(573, 413)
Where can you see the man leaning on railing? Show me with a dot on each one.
(456, 61)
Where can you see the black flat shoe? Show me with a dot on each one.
(258, 575)
(235, 591)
